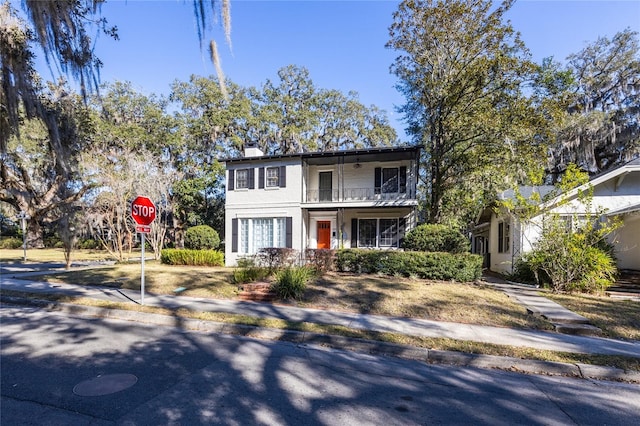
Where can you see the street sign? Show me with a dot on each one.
(143, 211)
(143, 229)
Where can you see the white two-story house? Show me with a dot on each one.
(338, 199)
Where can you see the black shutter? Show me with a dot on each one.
(403, 179)
(402, 227)
(231, 180)
(289, 226)
(283, 176)
(251, 178)
(378, 180)
(354, 233)
(234, 235)
(261, 178)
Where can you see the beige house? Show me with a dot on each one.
(502, 239)
(338, 199)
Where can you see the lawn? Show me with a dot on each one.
(382, 295)
(52, 255)
(396, 296)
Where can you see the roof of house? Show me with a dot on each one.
(625, 210)
(384, 153)
(618, 173)
(527, 192)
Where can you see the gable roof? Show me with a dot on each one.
(618, 173)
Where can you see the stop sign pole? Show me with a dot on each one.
(143, 211)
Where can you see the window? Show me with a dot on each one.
(273, 177)
(367, 232)
(504, 231)
(382, 233)
(242, 178)
(259, 233)
(390, 181)
(388, 232)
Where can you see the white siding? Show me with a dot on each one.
(265, 202)
(611, 195)
(627, 243)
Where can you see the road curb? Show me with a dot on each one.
(431, 356)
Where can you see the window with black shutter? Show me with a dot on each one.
(354, 233)
(231, 180)
(234, 235)
(251, 179)
(289, 231)
(403, 179)
(283, 176)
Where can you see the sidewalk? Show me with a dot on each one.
(409, 326)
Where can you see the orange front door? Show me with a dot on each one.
(324, 234)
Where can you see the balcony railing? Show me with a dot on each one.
(355, 194)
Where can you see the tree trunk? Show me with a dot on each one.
(35, 235)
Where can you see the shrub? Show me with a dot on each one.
(247, 271)
(461, 267)
(53, 241)
(436, 238)
(201, 237)
(321, 260)
(10, 243)
(523, 273)
(291, 282)
(192, 257)
(275, 258)
(572, 260)
(88, 244)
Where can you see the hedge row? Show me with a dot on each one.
(462, 267)
(192, 257)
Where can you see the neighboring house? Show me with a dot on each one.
(502, 239)
(338, 199)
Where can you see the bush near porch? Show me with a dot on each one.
(462, 267)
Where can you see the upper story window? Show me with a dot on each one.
(273, 177)
(242, 178)
(390, 180)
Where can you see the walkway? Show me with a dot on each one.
(408, 326)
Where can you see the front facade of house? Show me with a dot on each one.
(502, 239)
(339, 199)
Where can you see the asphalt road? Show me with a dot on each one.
(57, 369)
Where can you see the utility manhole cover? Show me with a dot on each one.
(105, 385)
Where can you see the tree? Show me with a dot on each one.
(601, 128)
(296, 116)
(132, 154)
(40, 173)
(62, 29)
(462, 69)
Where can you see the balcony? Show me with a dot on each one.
(355, 195)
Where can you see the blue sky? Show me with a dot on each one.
(341, 43)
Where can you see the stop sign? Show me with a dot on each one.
(143, 211)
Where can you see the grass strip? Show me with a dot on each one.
(622, 362)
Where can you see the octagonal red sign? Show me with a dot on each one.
(143, 211)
